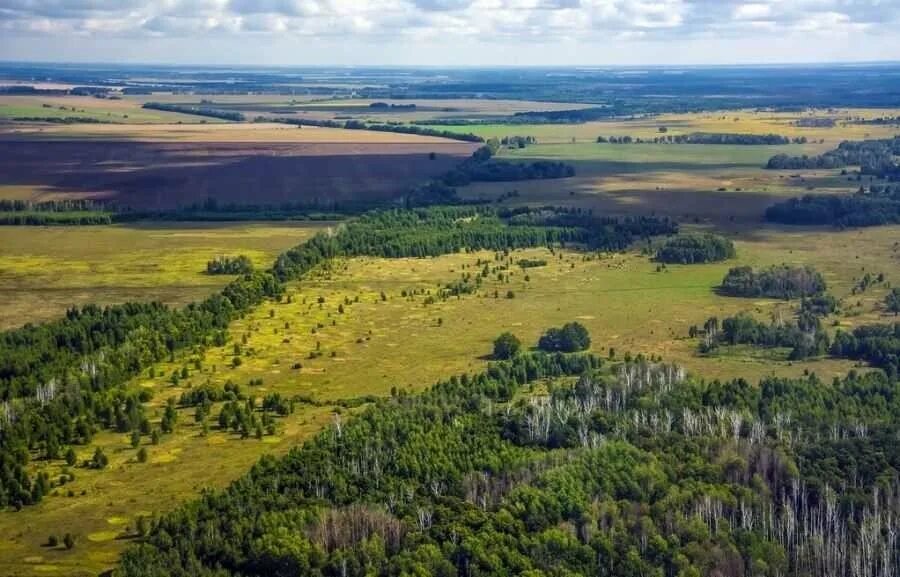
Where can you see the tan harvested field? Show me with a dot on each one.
(232, 163)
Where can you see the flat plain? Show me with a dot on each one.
(45, 270)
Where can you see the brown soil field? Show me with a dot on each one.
(165, 175)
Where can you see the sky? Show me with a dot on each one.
(450, 32)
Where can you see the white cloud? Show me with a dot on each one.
(385, 23)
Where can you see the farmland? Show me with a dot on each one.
(167, 167)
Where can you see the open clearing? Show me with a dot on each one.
(313, 166)
(45, 270)
(403, 342)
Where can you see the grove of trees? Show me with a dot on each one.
(695, 248)
(782, 282)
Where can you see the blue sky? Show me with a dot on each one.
(450, 32)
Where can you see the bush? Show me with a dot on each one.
(506, 346)
(570, 338)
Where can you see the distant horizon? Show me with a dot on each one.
(325, 66)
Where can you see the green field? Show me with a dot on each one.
(89, 108)
(45, 270)
(402, 341)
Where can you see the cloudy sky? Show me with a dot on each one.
(450, 32)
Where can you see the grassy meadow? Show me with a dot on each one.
(45, 270)
(307, 348)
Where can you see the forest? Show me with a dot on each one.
(875, 157)
(878, 205)
(61, 382)
(621, 468)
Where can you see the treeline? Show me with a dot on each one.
(879, 121)
(61, 119)
(879, 205)
(621, 469)
(781, 282)
(196, 110)
(875, 157)
(388, 127)
(240, 264)
(695, 248)
(62, 381)
(502, 171)
(518, 141)
(877, 344)
(54, 212)
(706, 138)
(19, 218)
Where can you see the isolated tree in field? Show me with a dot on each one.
(71, 457)
(892, 301)
(142, 455)
(69, 541)
(506, 346)
(99, 460)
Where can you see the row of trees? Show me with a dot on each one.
(386, 127)
(626, 469)
(707, 138)
(196, 110)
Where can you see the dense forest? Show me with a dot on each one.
(695, 248)
(781, 282)
(622, 469)
(875, 157)
(62, 381)
(879, 205)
